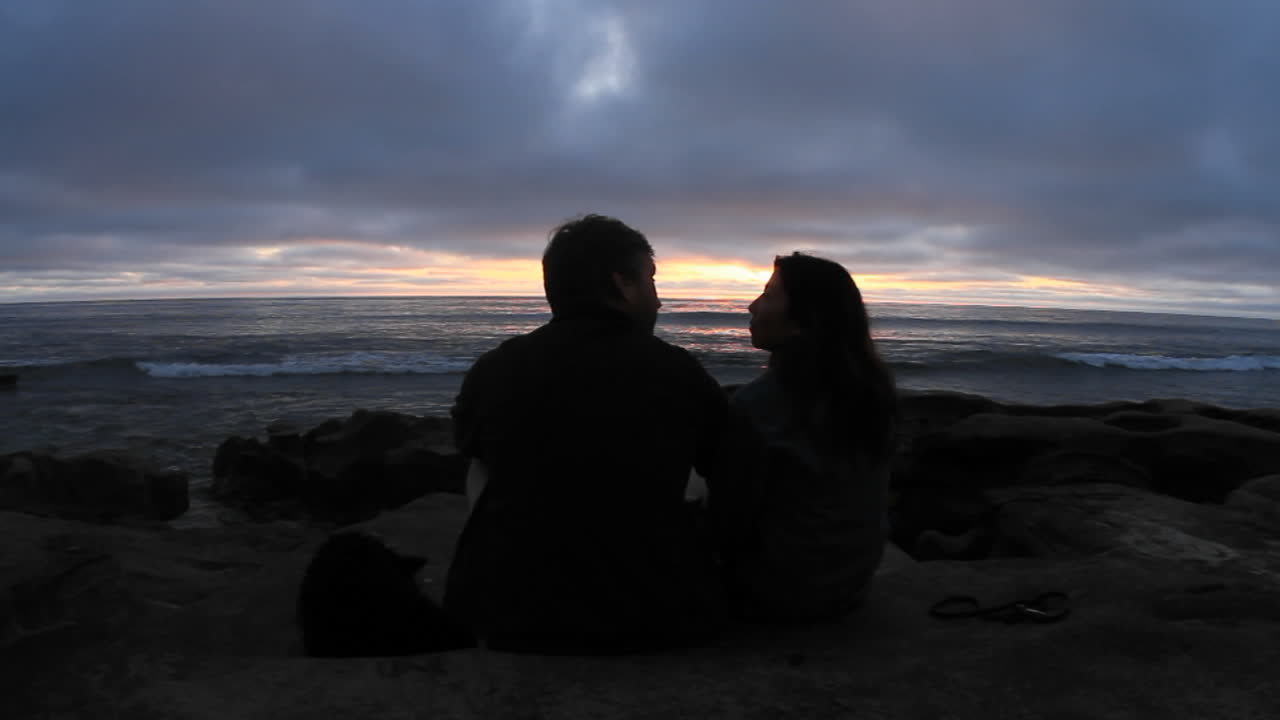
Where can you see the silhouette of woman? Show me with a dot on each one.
(799, 508)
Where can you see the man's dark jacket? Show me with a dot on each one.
(580, 542)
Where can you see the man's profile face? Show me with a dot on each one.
(640, 294)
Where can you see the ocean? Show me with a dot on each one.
(171, 379)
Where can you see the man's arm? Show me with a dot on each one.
(714, 410)
(467, 413)
(469, 428)
(736, 485)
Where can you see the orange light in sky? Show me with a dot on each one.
(705, 277)
(405, 270)
(686, 277)
(479, 277)
(457, 275)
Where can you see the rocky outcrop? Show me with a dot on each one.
(227, 590)
(104, 486)
(955, 448)
(67, 584)
(163, 623)
(342, 471)
(1175, 595)
(72, 587)
(1260, 497)
(1187, 455)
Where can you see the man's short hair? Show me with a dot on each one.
(583, 254)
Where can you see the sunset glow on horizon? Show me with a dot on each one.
(410, 272)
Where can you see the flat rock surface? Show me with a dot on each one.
(1119, 520)
(205, 631)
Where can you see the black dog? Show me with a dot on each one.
(359, 597)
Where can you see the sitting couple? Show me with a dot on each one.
(582, 435)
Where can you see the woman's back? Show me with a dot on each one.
(802, 525)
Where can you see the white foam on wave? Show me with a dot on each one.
(1230, 363)
(364, 363)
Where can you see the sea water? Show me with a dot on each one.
(172, 379)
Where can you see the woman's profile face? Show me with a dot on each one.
(770, 326)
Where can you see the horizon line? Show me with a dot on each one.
(704, 298)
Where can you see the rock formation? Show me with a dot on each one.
(103, 486)
(1157, 519)
(341, 470)
(956, 449)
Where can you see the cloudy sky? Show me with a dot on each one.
(1073, 153)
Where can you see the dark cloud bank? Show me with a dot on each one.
(1134, 144)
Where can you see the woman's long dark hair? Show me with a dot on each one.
(831, 368)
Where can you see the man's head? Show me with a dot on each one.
(598, 260)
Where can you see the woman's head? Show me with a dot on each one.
(771, 325)
(812, 320)
(811, 300)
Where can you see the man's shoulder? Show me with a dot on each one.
(662, 346)
(511, 347)
(674, 357)
(496, 366)
(637, 348)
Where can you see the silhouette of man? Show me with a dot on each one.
(581, 436)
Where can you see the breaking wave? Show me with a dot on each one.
(364, 363)
(1230, 363)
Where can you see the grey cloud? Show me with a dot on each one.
(1086, 139)
(1095, 121)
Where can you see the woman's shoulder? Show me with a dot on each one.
(763, 405)
(762, 393)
